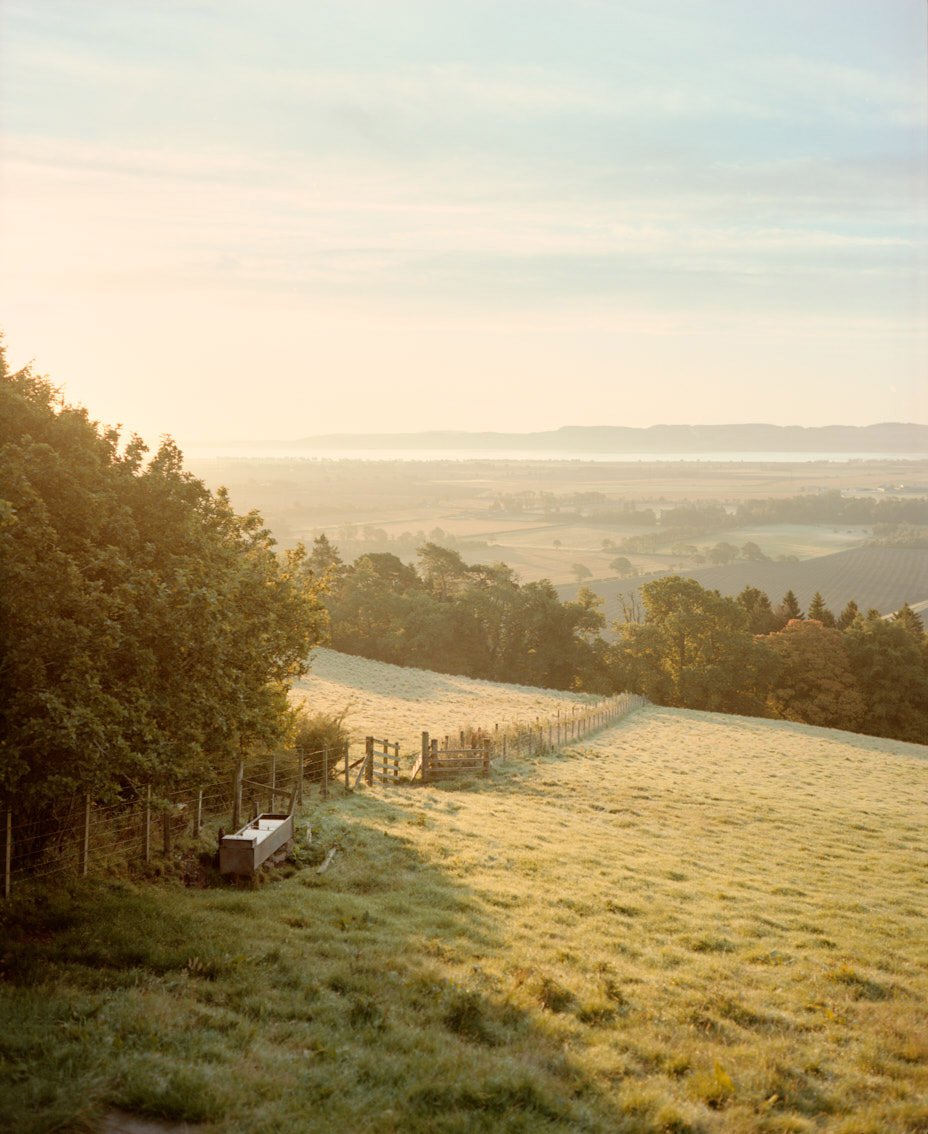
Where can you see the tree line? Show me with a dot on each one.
(680, 644)
(444, 615)
(831, 507)
(695, 648)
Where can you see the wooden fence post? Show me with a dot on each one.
(347, 760)
(198, 816)
(299, 780)
(369, 760)
(426, 749)
(7, 851)
(147, 833)
(84, 848)
(325, 772)
(237, 796)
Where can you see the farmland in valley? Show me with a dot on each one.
(458, 502)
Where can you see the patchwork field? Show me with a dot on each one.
(690, 923)
(395, 505)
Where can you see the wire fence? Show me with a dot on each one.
(81, 836)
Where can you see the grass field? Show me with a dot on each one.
(398, 703)
(691, 923)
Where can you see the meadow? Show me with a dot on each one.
(688, 923)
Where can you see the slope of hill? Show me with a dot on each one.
(691, 923)
(879, 577)
(404, 701)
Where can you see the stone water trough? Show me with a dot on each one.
(246, 850)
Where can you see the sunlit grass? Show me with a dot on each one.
(691, 923)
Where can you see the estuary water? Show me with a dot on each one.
(251, 452)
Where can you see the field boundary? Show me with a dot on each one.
(83, 836)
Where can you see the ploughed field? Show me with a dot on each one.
(689, 922)
(881, 578)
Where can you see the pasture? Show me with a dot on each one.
(375, 696)
(690, 923)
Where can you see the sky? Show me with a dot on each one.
(233, 219)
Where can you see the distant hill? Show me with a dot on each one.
(887, 437)
(879, 577)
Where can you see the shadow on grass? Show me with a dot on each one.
(353, 999)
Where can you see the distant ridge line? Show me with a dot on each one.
(884, 437)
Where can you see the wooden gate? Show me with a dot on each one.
(381, 761)
(448, 763)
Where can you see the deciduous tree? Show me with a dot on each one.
(694, 649)
(815, 683)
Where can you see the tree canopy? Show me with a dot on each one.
(693, 650)
(815, 683)
(147, 630)
(477, 620)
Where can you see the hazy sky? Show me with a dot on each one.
(244, 219)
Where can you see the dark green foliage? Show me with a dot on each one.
(313, 733)
(752, 552)
(832, 508)
(622, 566)
(694, 650)
(815, 683)
(905, 616)
(723, 553)
(900, 535)
(847, 616)
(148, 631)
(762, 619)
(819, 612)
(702, 516)
(891, 668)
(789, 607)
(474, 620)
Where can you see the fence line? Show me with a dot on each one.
(81, 836)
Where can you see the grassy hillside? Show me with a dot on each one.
(691, 923)
(879, 577)
(405, 700)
